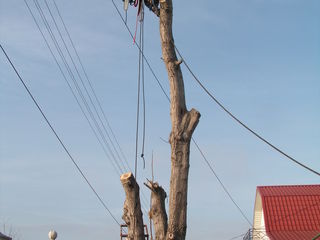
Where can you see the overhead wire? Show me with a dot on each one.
(240, 122)
(91, 86)
(88, 95)
(71, 89)
(59, 50)
(167, 97)
(238, 236)
(221, 183)
(46, 23)
(58, 138)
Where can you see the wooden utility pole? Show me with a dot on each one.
(183, 124)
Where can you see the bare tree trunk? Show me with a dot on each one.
(158, 210)
(183, 124)
(132, 214)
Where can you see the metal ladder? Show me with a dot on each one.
(124, 234)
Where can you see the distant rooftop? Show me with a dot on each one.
(291, 212)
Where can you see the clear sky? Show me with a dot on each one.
(260, 58)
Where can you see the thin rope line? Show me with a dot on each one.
(143, 91)
(240, 122)
(138, 109)
(58, 138)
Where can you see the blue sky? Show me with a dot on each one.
(260, 58)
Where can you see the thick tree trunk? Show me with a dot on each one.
(132, 214)
(158, 210)
(183, 124)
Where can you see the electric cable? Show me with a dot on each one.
(90, 84)
(86, 90)
(74, 81)
(236, 237)
(71, 89)
(240, 122)
(221, 183)
(58, 138)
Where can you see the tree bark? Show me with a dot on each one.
(183, 124)
(158, 210)
(132, 214)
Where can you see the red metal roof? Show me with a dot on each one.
(291, 212)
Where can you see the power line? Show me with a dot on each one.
(70, 87)
(84, 86)
(90, 84)
(58, 138)
(166, 95)
(236, 237)
(114, 162)
(240, 122)
(86, 91)
(47, 25)
(221, 183)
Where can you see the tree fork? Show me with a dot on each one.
(132, 214)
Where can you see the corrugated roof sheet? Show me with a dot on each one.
(291, 212)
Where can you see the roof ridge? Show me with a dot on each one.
(293, 185)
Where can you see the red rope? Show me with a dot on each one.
(139, 11)
(135, 32)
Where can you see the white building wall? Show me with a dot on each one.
(259, 228)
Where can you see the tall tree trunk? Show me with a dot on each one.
(183, 124)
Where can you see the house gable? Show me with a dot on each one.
(289, 212)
